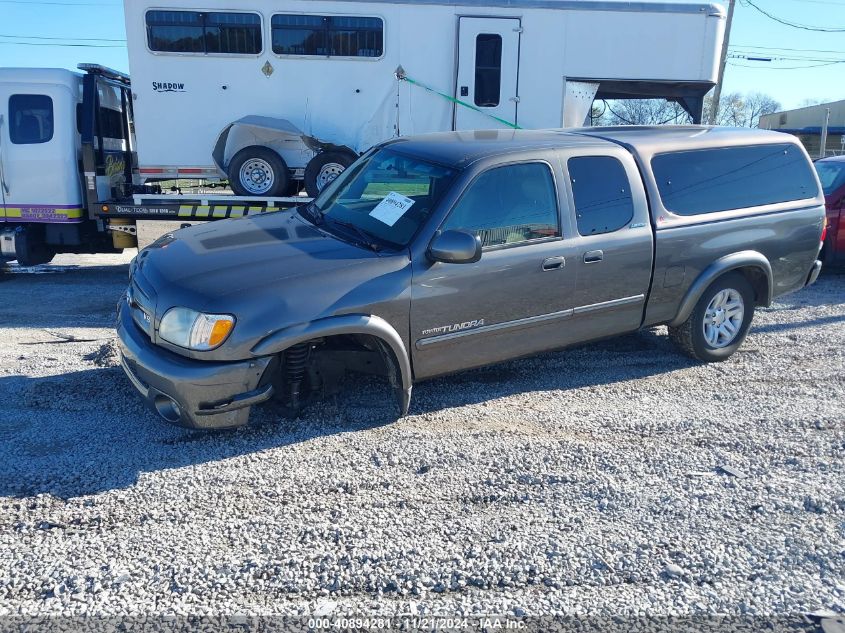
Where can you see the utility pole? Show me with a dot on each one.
(823, 139)
(717, 93)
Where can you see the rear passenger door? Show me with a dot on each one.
(615, 242)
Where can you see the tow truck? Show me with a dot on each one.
(69, 178)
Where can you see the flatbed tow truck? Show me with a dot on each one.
(69, 178)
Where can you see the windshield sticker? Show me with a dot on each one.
(393, 207)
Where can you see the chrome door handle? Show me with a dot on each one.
(591, 257)
(554, 263)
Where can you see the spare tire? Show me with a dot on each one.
(323, 168)
(258, 171)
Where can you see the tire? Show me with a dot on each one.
(258, 171)
(323, 168)
(701, 336)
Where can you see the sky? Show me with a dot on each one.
(806, 64)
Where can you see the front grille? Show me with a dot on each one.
(141, 308)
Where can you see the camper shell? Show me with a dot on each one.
(317, 82)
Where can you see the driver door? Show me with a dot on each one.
(516, 299)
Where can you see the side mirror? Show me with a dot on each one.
(455, 247)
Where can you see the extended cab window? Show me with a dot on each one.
(204, 32)
(507, 205)
(602, 193)
(30, 119)
(721, 179)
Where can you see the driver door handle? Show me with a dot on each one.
(554, 263)
(590, 257)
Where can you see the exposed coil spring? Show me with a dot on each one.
(296, 359)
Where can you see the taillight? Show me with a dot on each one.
(824, 232)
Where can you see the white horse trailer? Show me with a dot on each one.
(269, 94)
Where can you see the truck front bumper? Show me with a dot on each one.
(186, 392)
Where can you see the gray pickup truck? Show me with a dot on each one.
(439, 253)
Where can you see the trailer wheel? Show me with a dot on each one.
(323, 168)
(258, 171)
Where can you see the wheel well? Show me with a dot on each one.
(759, 282)
(320, 364)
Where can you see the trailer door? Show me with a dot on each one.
(488, 72)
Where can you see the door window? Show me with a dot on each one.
(30, 119)
(488, 70)
(602, 193)
(508, 205)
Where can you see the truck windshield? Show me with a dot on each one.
(384, 195)
(831, 175)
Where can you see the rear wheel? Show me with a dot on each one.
(719, 322)
(324, 168)
(258, 171)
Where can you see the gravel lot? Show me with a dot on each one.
(618, 478)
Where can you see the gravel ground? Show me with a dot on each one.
(617, 478)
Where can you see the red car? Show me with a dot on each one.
(832, 175)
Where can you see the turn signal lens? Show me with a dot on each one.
(220, 332)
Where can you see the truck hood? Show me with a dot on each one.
(228, 257)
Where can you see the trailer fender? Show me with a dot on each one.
(278, 134)
(391, 346)
(752, 263)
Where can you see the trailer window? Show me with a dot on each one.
(30, 119)
(602, 194)
(327, 36)
(204, 32)
(488, 70)
(721, 179)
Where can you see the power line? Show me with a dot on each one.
(757, 57)
(78, 39)
(62, 4)
(795, 25)
(780, 48)
(62, 45)
(785, 67)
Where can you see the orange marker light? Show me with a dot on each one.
(219, 332)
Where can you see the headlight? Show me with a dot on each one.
(195, 330)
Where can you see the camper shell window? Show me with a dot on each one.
(204, 32)
(328, 36)
(30, 119)
(722, 179)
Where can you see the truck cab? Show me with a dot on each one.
(66, 142)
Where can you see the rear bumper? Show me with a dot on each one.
(186, 392)
(814, 272)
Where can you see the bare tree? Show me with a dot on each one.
(642, 112)
(735, 109)
(738, 110)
